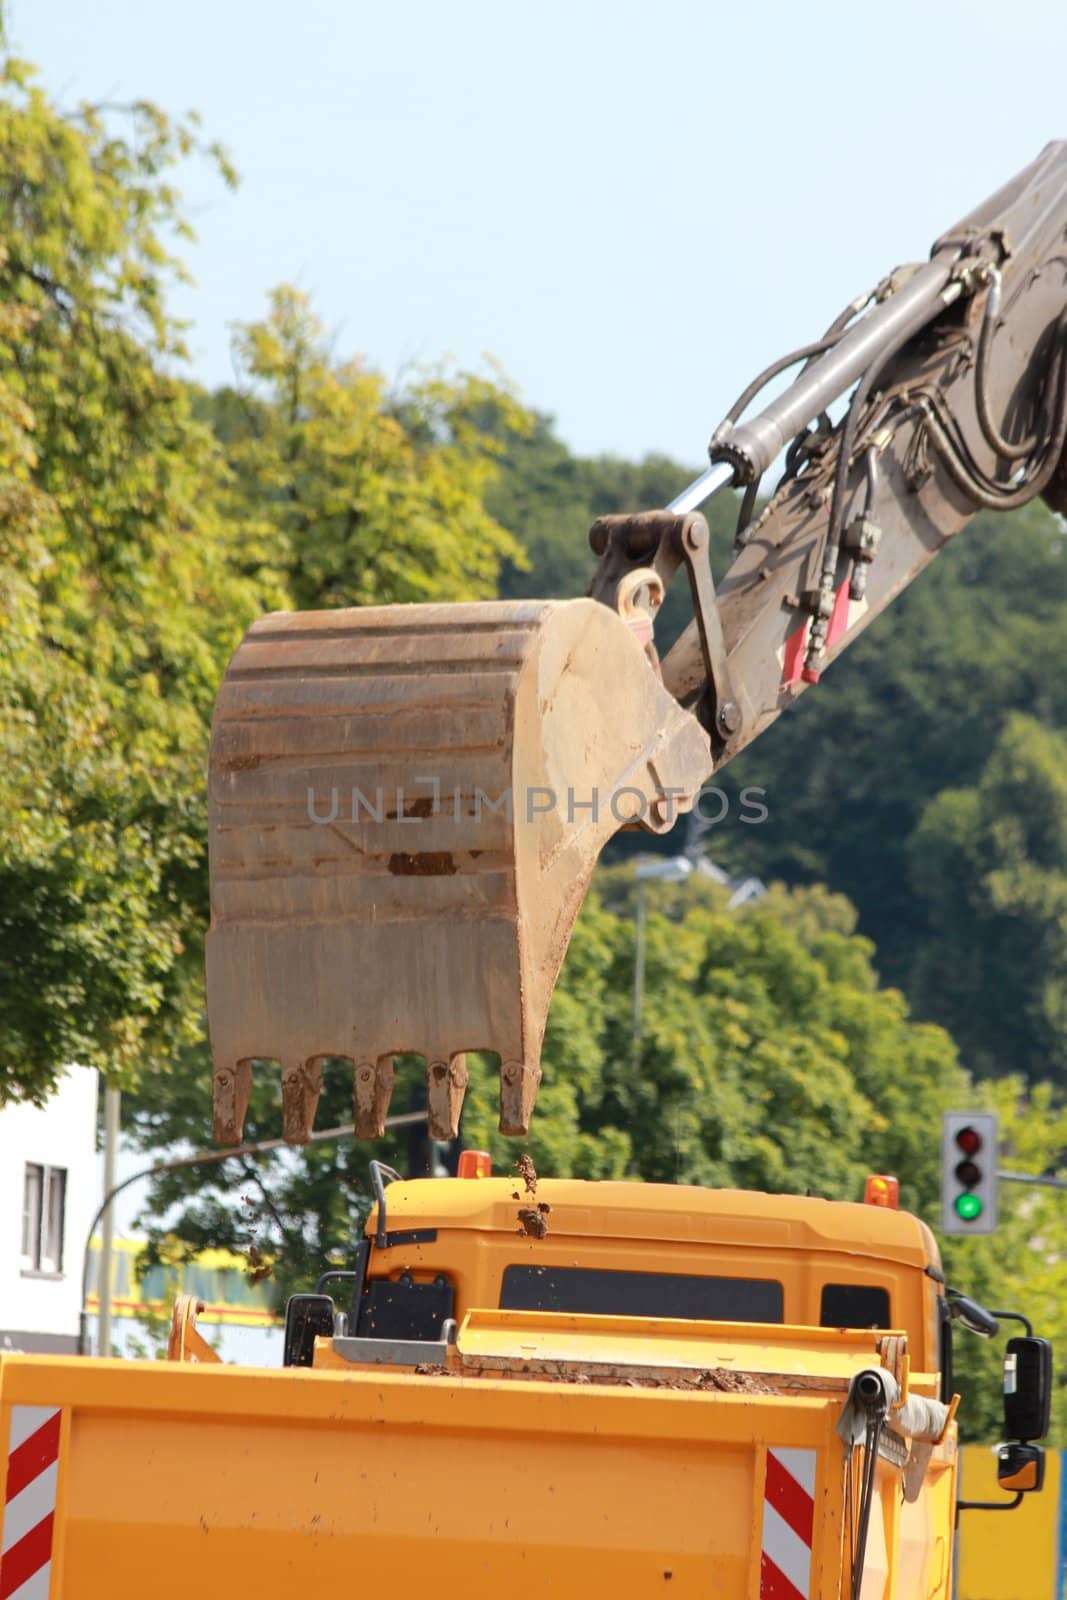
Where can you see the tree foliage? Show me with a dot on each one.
(117, 593)
(913, 711)
(367, 496)
(989, 864)
(768, 1057)
(139, 536)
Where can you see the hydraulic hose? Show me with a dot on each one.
(907, 330)
(994, 438)
(762, 379)
(967, 476)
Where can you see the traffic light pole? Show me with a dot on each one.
(1028, 1177)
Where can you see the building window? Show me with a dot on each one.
(44, 1202)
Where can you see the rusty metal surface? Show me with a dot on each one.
(405, 808)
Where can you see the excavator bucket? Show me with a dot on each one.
(406, 805)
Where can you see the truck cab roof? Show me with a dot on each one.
(663, 1212)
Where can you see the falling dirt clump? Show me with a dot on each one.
(258, 1269)
(532, 1222)
(525, 1168)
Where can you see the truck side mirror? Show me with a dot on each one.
(975, 1318)
(1021, 1467)
(307, 1317)
(1027, 1388)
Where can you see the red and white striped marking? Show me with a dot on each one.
(29, 1503)
(788, 1525)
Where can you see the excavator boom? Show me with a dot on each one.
(407, 803)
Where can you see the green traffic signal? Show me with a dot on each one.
(968, 1171)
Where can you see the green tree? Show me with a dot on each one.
(119, 598)
(910, 710)
(769, 1058)
(137, 543)
(989, 866)
(366, 496)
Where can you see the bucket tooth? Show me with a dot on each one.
(301, 1087)
(446, 1084)
(373, 1089)
(519, 1083)
(232, 1087)
(406, 806)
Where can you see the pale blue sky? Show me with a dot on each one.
(630, 206)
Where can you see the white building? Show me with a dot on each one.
(48, 1192)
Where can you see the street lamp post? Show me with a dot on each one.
(112, 1106)
(639, 963)
(202, 1158)
(664, 869)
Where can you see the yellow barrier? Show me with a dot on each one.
(1011, 1555)
(217, 1277)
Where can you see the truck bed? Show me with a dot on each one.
(177, 1479)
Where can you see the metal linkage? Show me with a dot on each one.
(654, 544)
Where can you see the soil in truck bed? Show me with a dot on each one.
(712, 1380)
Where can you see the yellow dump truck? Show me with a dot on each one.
(559, 1389)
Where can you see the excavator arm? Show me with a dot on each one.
(959, 403)
(407, 803)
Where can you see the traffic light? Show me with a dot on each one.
(968, 1172)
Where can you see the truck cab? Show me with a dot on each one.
(440, 1248)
